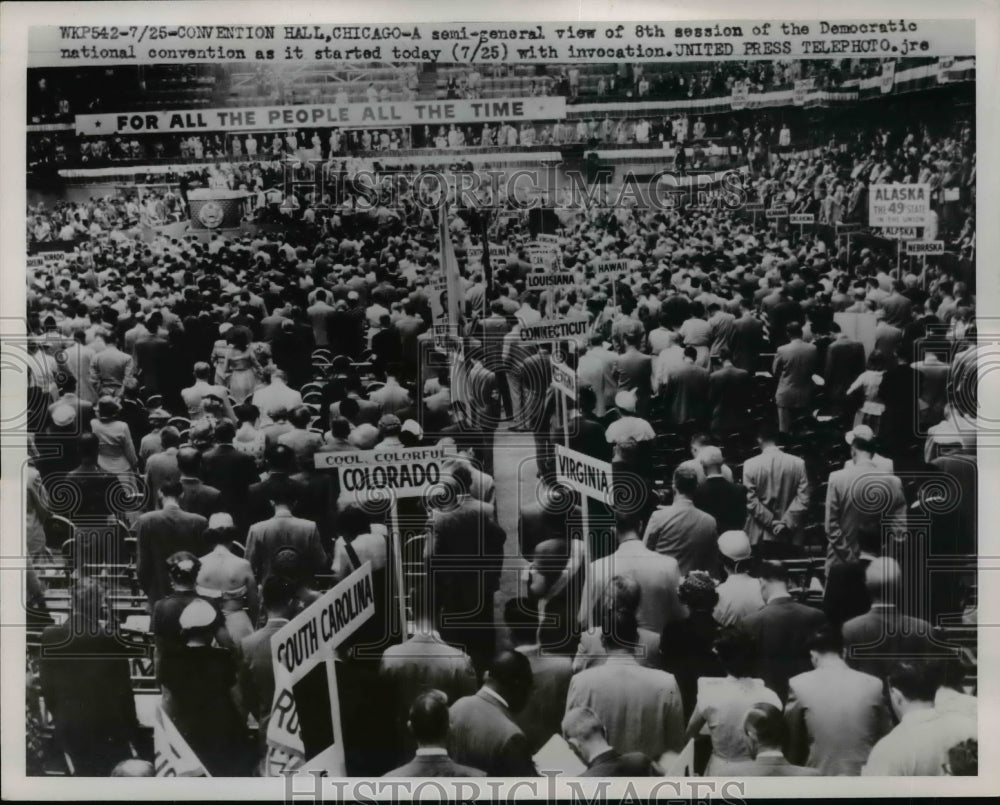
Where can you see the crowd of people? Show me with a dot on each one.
(767, 459)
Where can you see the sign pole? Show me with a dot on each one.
(397, 561)
(585, 515)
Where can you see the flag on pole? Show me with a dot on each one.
(449, 268)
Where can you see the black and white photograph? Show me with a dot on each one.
(596, 402)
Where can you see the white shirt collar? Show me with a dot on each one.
(495, 695)
(424, 751)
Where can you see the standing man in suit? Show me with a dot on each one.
(151, 356)
(319, 317)
(685, 392)
(550, 675)
(86, 685)
(848, 506)
(834, 714)
(657, 575)
(545, 517)
(845, 360)
(421, 663)
(640, 707)
(634, 370)
(494, 327)
(794, 365)
(766, 735)
(108, 370)
(465, 556)
(919, 744)
(779, 630)
(483, 733)
(254, 661)
(428, 722)
(230, 471)
(266, 538)
(584, 732)
(595, 369)
(162, 466)
(719, 496)
(748, 338)
(196, 497)
(874, 640)
(162, 533)
(729, 394)
(683, 531)
(777, 496)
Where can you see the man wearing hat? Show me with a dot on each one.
(152, 443)
(739, 594)
(849, 497)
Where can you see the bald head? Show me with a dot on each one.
(510, 675)
(882, 578)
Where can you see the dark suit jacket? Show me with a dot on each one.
(537, 524)
(266, 538)
(483, 735)
(152, 357)
(875, 640)
(259, 505)
(160, 534)
(685, 533)
(613, 764)
(462, 541)
(747, 341)
(779, 630)
(232, 473)
(725, 501)
(845, 360)
(87, 689)
(729, 394)
(686, 393)
(434, 766)
(199, 498)
(541, 716)
(794, 365)
(634, 372)
(95, 490)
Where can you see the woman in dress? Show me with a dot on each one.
(687, 646)
(868, 383)
(722, 703)
(242, 368)
(248, 439)
(200, 678)
(228, 579)
(116, 450)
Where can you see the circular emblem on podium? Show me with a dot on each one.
(211, 214)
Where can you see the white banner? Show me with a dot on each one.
(925, 247)
(888, 77)
(741, 93)
(298, 649)
(563, 378)
(387, 114)
(554, 329)
(586, 475)
(404, 472)
(801, 218)
(173, 757)
(802, 88)
(548, 279)
(611, 268)
(898, 204)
